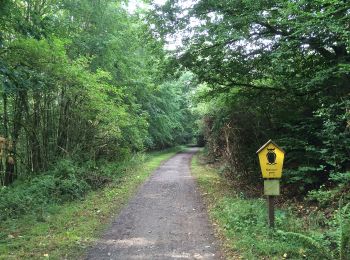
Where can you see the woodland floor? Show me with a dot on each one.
(165, 220)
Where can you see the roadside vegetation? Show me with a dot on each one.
(241, 222)
(49, 227)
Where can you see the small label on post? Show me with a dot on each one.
(272, 187)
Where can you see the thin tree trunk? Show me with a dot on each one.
(62, 135)
(5, 125)
(36, 148)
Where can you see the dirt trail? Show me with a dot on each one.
(165, 220)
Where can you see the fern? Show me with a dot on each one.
(311, 242)
(344, 231)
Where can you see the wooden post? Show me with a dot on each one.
(271, 210)
(271, 158)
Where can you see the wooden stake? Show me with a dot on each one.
(271, 210)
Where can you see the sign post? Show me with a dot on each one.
(271, 210)
(271, 158)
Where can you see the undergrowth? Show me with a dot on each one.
(242, 223)
(66, 181)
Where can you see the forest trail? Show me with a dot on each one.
(165, 220)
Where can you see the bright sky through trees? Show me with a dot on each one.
(132, 5)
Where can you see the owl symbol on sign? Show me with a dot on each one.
(271, 156)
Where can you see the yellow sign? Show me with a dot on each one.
(271, 160)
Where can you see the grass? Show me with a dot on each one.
(65, 231)
(242, 224)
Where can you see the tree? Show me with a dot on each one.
(83, 80)
(272, 69)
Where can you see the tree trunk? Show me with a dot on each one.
(34, 135)
(62, 135)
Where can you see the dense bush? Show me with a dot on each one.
(66, 181)
(37, 193)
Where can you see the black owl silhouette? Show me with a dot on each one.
(271, 156)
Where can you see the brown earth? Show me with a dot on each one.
(165, 220)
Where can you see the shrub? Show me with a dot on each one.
(65, 181)
(31, 195)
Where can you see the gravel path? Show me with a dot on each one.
(165, 220)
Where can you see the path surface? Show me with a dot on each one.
(165, 220)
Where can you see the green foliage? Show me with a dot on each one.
(246, 219)
(324, 197)
(315, 246)
(343, 232)
(243, 223)
(85, 80)
(35, 194)
(341, 178)
(271, 70)
(171, 121)
(66, 181)
(332, 245)
(327, 196)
